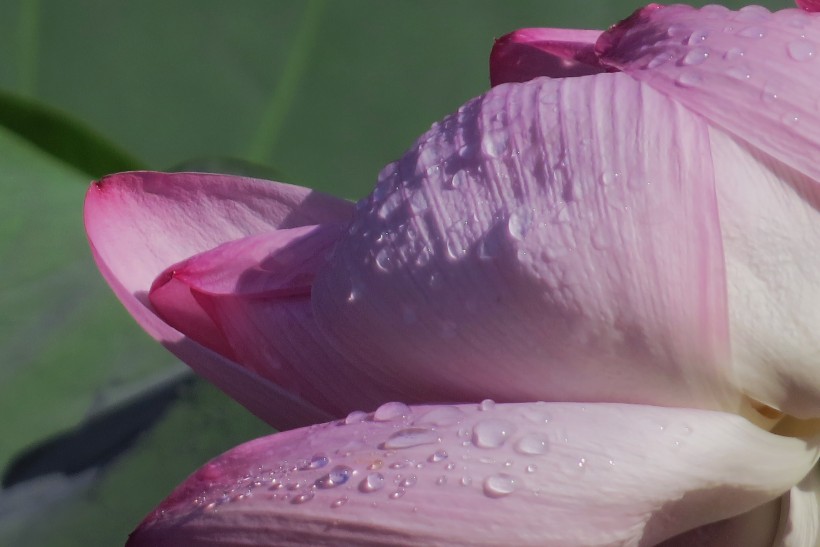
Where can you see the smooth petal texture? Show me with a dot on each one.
(519, 474)
(249, 300)
(800, 514)
(752, 72)
(531, 52)
(139, 223)
(549, 241)
(770, 225)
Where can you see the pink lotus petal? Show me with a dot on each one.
(552, 240)
(809, 5)
(752, 72)
(532, 52)
(140, 223)
(523, 474)
(250, 299)
(800, 513)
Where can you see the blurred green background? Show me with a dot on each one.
(97, 422)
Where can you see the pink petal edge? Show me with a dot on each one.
(520, 474)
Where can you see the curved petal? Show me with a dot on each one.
(249, 299)
(771, 226)
(140, 223)
(752, 72)
(529, 53)
(556, 239)
(519, 474)
(800, 516)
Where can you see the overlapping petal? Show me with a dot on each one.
(551, 241)
(140, 223)
(528, 53)
(518, 474)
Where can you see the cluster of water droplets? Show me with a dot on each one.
(394, 450)
(697, 55)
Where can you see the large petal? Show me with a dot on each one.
(528, 53)
(518, 474)
(771, 228)
(556, 239)
(249, 299)
(800, 514)
(752, 72)
(140, 223)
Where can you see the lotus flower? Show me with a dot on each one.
(616, 243)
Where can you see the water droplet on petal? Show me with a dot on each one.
(491, 433)
(355, 417)
(486, 404)
(339, 502)
(698, 37)
(458, 179)
(500, 485)
(437, 456)
(752, 32)
(695, 56)
(389, 412)
(733, 54)
(532, 468)
(397, 494)
(688, 79)
(371, 483)
(418, 203)
(532, 445)
(407, 482)
(315, 462)
(304, 497)
(494, 144)
(336, 477)
(801, 50)
(413, 436)
(466, 481)
(442, 480)
(610, 177)
(442, 415)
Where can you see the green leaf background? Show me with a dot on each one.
(97, 422)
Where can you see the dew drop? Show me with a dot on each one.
(304, 497)
(442, 480)
(389, 412)
(791, 119)
(441, 416)
(491, 433)
(688, 79)
(418, 203)
(355, 417)
(458, 179)
(494, 144)
(384, 260)
(450, 466)
(407, 482)
(801, 50)
(582, 462)
(532, 445)
(500, 485)
(659, 60)
(516, 226)
(336, 477)
(466, 481)
(610, 177)
(397, 494)
(486, 404)
(769, 93)
(698, 37)
(339, 502)
(695, 56)
(316, 462)
(532, 468)
(752, 32)
(413, 436)
(390, 205)
(371, 483)
(733, 54)
(375, 464)
(739, 73)
(437, 456)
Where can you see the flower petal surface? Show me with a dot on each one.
(531, 52)
(517, 474)
(800, 514)
(249, 300)
(751, 72)
(140, 223)
(556, 239)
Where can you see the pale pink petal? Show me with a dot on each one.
(800, 514)
(757, 528)
(140, 223)
(529, 53)
(250, 299)
(751, 72)
(771, 226)
(556, 239)
(521, 474)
